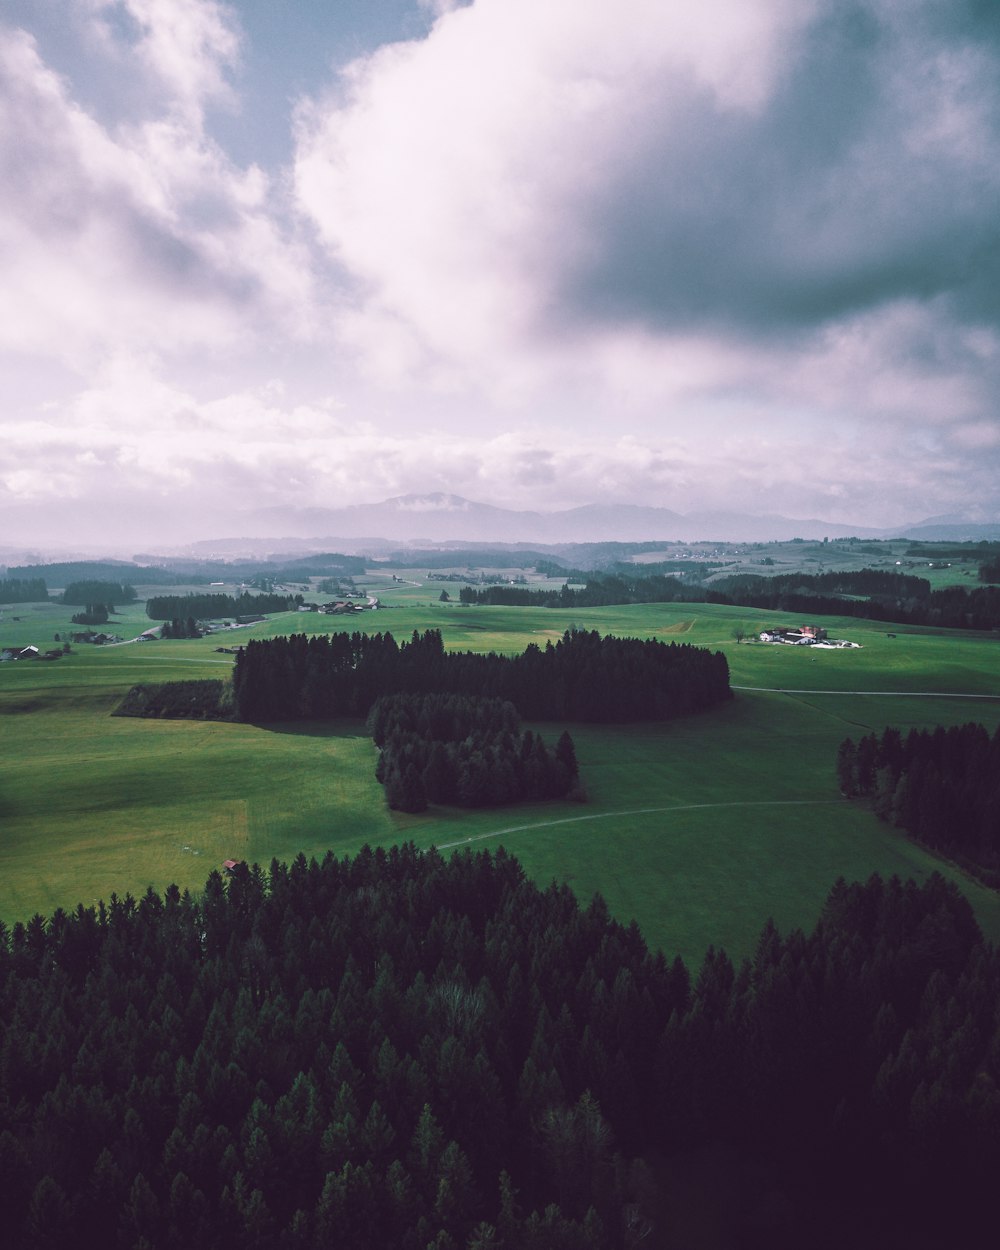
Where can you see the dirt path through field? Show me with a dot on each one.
(638, 811)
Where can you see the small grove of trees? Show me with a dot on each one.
(22, 589)
(465, 751)
(581, 677)
(94, 614)
(990, 571)
(208, 699)
(180, 628)
(109, 593)
(171, 607)
(942, 786)
(600, 590)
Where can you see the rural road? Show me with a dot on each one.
(638, 811)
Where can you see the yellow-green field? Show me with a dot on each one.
(700, 828)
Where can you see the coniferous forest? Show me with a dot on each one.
(180, 607)
(443, 748)
(942, 786)
(871, 594)
(583, 676)
(22, 589)
(403, 1051)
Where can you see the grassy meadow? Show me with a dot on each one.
(699, 828)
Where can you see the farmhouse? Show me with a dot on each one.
(794, 634)
(807, 635)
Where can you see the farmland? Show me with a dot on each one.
(699, 828)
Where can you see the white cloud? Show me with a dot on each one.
(145, 237)
(142, 442)
(447, 175)
(551, 253)
(653, 205)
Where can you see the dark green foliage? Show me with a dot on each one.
(65, 573)
(93, 591)
(22, 589)
(442, 748)
(896, 597)
(179, 700)
(990, 571)
(867, 593)
(942, 786)
(96, 614)
(397, 1050)
(582, 677)
(169, 607)
(178, 628)
(601, 589)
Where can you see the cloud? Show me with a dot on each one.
(186, 45)
(728, 256)
(176, 463)
(533, 195)
(143, 236)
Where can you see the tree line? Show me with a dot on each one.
(941, 785)
(583, 676)
(23, 589)
(902, 601)
(468, 752)
(601, 590)
(397, 1050)
(109, 593)
(169, 607)
(888, 596)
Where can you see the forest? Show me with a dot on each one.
(469, 752)
(583, 676)
(90, 591)
(942, 786)
(22, 589)
(405, 1051)
(872, 594)
(601, 589)
(169, 607)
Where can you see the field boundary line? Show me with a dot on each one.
(896, 694)
(637, 811)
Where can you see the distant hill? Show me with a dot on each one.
(440, 517)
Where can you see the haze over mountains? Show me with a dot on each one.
(431, 519)
(438, 518)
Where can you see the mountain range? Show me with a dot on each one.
(436, 519)
(442, 518)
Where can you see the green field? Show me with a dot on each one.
(700, 828)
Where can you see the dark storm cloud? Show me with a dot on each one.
(871, 174)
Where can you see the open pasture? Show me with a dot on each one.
(700, 828)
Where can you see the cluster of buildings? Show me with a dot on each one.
(31, 653)
(343, 607)
(804, 635)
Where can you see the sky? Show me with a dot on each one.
(537, 253)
